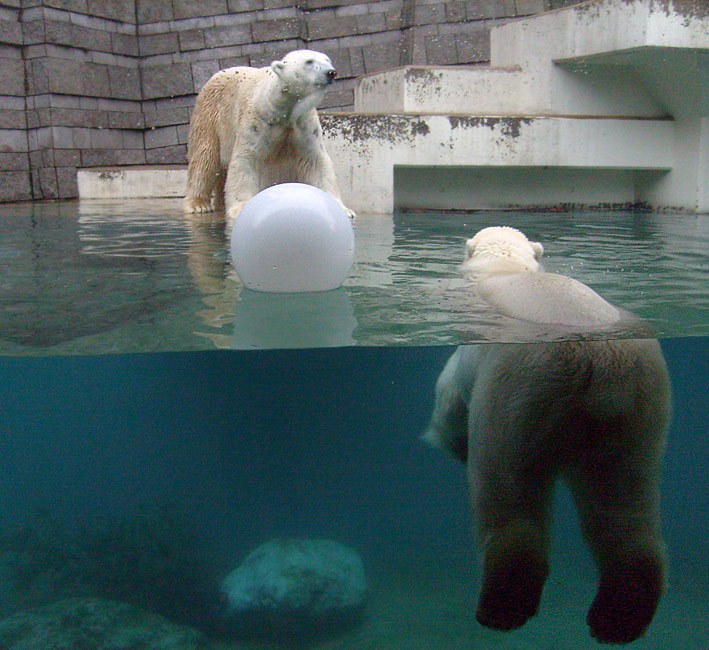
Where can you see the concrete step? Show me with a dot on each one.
(427, 90)
(134, 182)
(477, 162)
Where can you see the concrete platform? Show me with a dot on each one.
(134, 182)
(591, 88)
(605, 102)
(468, 162)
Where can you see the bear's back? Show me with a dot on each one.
(217, 101)
(547, 299)
(231, 81)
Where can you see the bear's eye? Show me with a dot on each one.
(309, 62)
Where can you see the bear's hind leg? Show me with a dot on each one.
(513, 520)
(203, 171)
(618, 504)
(514, 571)
(627, 598)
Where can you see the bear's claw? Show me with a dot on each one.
(197, 206)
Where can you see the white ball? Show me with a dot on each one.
(292, 238)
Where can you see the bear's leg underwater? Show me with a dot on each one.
(513, 512)
(621, 523)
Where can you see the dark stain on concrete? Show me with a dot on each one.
(687, 8)
(392, 128)
(422, 74)
(107, 175)
(509, 127)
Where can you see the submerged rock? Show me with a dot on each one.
(152, 559)
(296, 587)
(96, 624)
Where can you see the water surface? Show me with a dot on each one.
(134, 276)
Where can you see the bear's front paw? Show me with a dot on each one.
(233, 211)
(197, 205)
(626, 601)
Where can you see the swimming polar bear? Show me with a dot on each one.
(256, 127)
(520, 416)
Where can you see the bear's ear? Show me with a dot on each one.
(278, 67)
(469, 248)
(538, 249)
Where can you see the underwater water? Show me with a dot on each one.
(141, 459)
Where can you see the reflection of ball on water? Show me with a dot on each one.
(292, 237)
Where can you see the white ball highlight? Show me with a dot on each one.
(292, 238)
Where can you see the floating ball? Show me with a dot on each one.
(292, 238)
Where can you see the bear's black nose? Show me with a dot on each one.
(331, 75)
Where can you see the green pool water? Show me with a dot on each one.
(149, 441)
(135, 276)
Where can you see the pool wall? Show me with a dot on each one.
(113, 82)
(578, 107)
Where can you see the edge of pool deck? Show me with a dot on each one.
(601, 103)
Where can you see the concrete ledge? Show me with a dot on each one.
(600, 27)
(612, 91)
(135, 182)
(366, 150)
(458, 90)
(508, 160)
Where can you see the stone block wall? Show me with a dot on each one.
(87, 83)
(14, 147)
(76, 95)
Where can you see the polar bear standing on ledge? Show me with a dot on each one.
(256, 127)
(520, 416)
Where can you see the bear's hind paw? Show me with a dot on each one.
(514, 572)
(510, 603)
(626, 601)
(513, 580)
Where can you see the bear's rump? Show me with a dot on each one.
(574, 388)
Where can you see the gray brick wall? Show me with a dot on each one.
(88, 83)
(14, 147)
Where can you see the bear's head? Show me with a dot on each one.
(304, 72)
(501, 249)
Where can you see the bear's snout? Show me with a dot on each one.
(331, 74)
